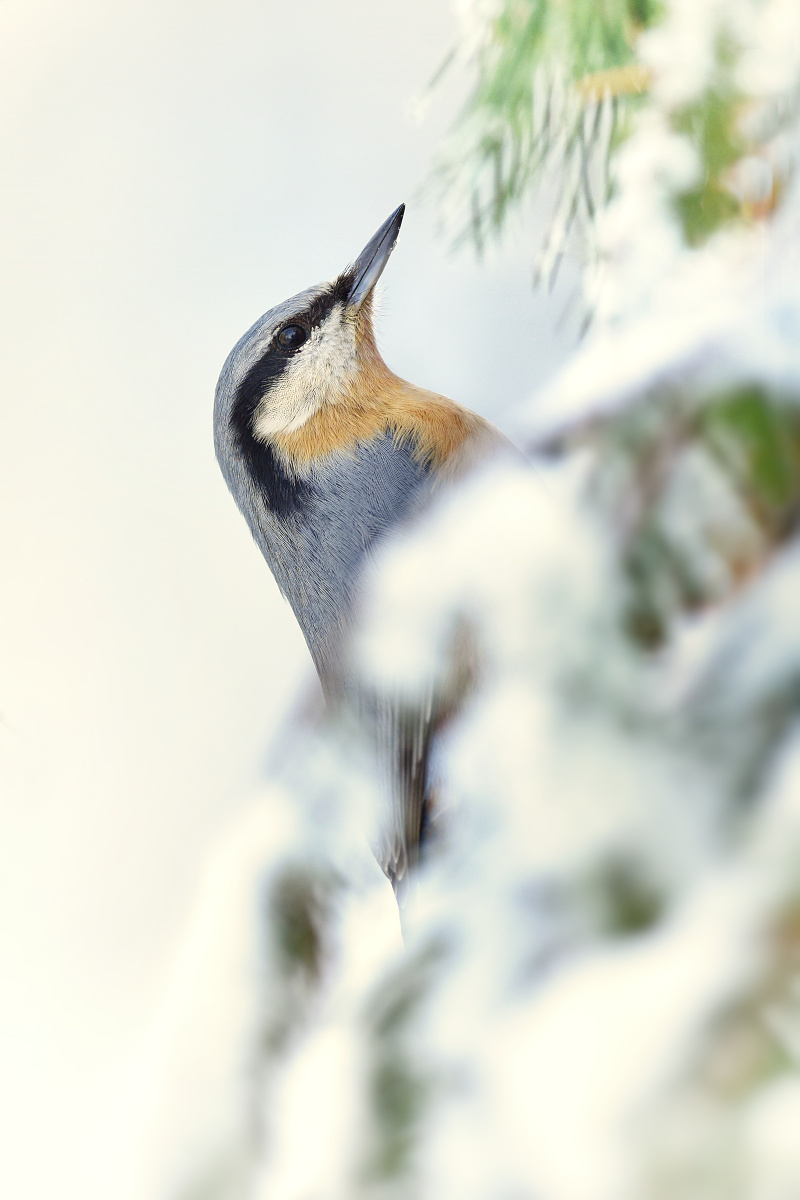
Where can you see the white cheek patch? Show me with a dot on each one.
(314, 377)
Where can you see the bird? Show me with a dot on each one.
(327, 452)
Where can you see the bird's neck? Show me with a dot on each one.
(375, 401)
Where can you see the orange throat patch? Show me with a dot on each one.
(376, 401)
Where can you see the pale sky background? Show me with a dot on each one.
(170, 171)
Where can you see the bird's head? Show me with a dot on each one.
(307, 356)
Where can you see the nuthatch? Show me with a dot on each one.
(326, 451)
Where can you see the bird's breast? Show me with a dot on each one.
(377, 403)
(331, 514)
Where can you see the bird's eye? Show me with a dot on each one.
(291, 337)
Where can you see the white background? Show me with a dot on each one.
(170, 170)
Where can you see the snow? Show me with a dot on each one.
(596, 995)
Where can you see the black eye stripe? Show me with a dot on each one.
(264, 373)
(283, 494)
(317, 311)
(322, 305)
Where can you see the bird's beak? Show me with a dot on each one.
(369, 265)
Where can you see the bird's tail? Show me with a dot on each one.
(405, 744)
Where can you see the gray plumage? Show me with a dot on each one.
(325, 452)
(317, 553)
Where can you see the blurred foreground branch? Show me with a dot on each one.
(556, 93)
